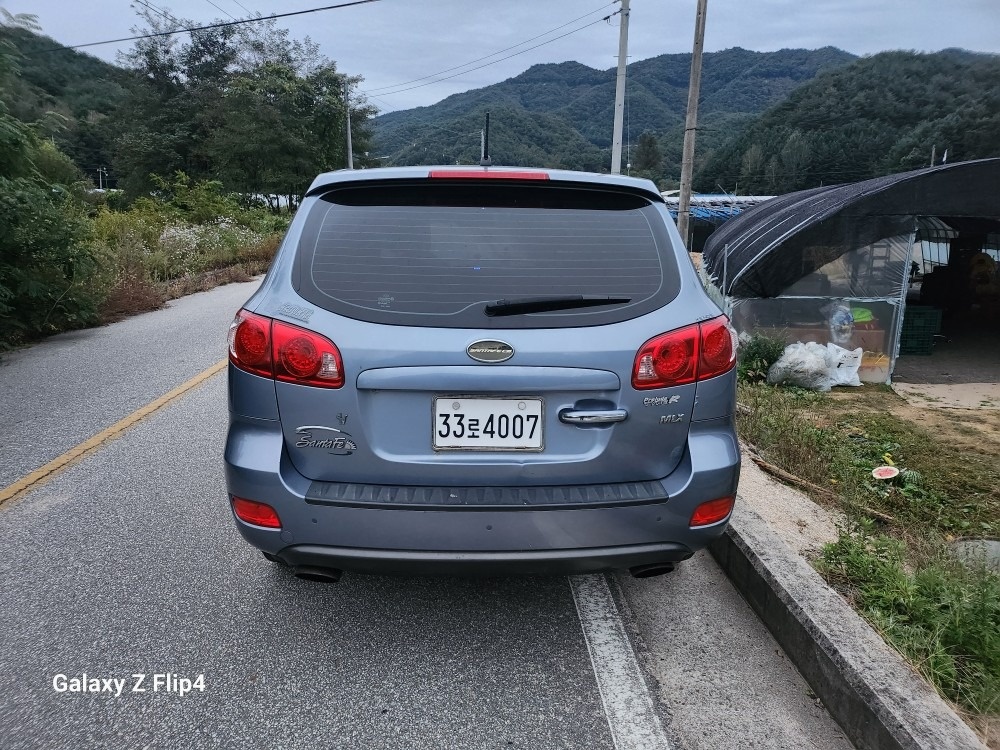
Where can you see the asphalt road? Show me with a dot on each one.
(127, 563)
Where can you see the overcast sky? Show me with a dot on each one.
(393, 42)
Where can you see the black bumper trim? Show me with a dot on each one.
(561, 497)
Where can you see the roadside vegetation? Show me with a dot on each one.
(209, 131)
(893, 559)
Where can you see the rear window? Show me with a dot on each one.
(437, 254)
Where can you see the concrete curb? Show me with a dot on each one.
(875, 696)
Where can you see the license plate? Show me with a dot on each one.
(495, 424)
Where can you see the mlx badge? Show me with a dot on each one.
(340, 445)
(490, 351)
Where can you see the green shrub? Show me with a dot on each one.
(48, 268)
(756, 355)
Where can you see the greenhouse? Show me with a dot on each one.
(875, 265)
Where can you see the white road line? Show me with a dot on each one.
(627, 703)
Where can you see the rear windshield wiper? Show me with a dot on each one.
(528, 305)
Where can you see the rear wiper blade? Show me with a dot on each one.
(528, 305)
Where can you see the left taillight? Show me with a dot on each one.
(277, 350)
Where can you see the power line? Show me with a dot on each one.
(249, 12)
(212, 26)
(494, 62)
(161, 11)
(494, 54)
(220, 9)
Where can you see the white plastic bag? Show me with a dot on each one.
(844, 365)
(804, 365)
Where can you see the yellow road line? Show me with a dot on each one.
(56, 465)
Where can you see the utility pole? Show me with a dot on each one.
(484, 145)
(691, 123)
(616, 141)
(347, 110)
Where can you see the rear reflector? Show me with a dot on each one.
(255, 513)
(485, 174)
(712, 512)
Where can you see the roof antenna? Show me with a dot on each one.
(484, 145)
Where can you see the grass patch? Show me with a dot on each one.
(942, 615)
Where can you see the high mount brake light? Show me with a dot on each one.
(685, 355)
(485, 174)
(277, 350)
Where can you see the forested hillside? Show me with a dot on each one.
(247, 106)
(575, 104)
(198, 130)
(882, 114)
(79, 90)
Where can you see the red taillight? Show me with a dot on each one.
(695, 352)
(718, 348)
(485, 174)
(250, 343)
(712, 512)
(304, 357)
(258, 514)
(284, 352)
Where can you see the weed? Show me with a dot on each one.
(943, 616)
(756, 355)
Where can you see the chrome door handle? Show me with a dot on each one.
(609, 416)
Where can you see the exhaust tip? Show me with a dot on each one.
(319, 575)
(653, 569)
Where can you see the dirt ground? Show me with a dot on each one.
(954, 392)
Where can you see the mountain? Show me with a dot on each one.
(881, 114)
(80, 89)
(575, 104)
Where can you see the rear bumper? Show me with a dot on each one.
(549, 562)
(478, 539)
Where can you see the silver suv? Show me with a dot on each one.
(481, 370)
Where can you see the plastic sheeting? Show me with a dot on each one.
(759, 253)
(832, 264)
(853, 301)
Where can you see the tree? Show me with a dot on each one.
(648, 158)
(246, 105)
(45, 263)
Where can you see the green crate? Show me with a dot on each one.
(921, 319)
(920, 324)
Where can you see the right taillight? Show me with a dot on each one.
(695, 352)
(284, 352)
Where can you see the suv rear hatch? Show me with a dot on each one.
(489, 332)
